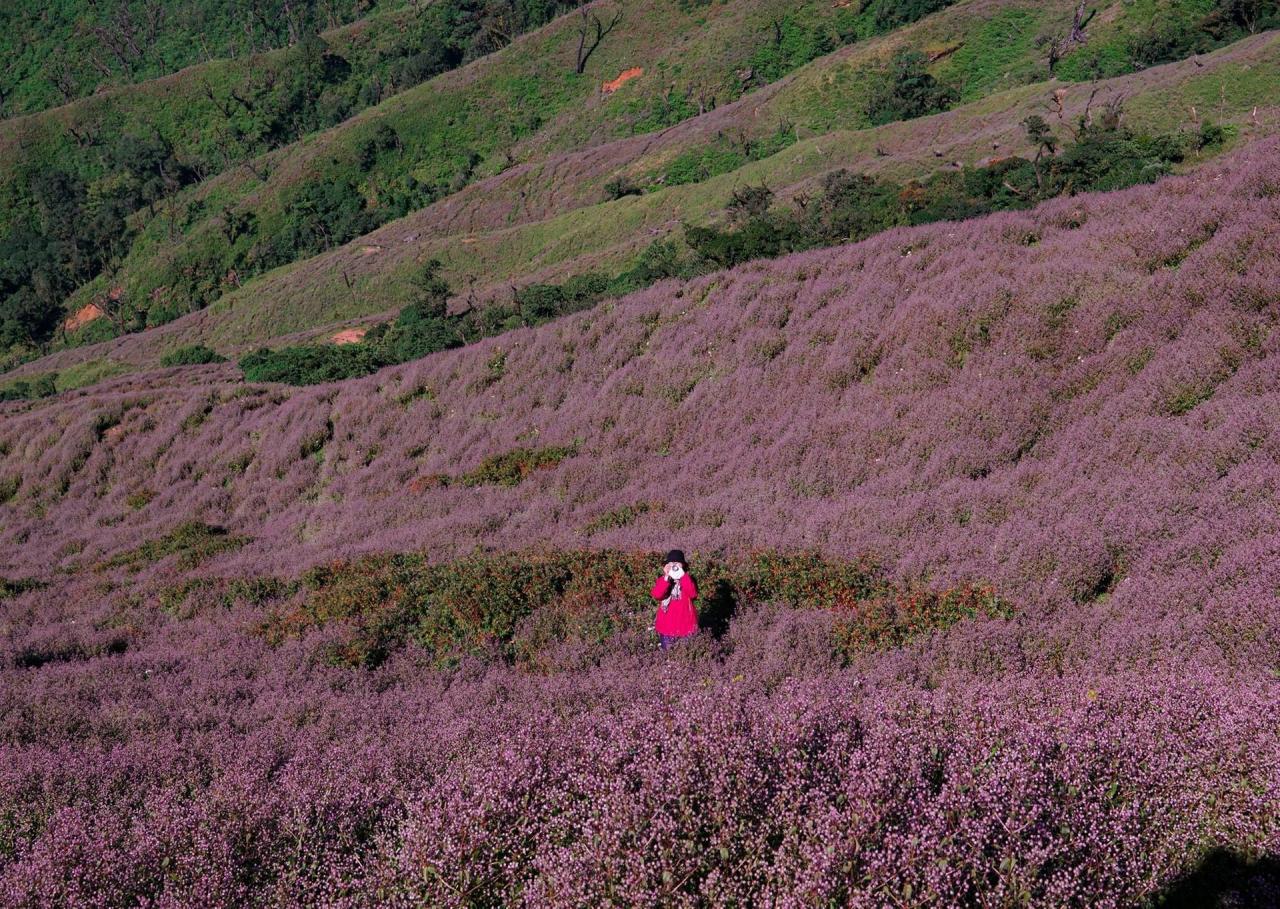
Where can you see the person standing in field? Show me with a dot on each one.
(675, 593)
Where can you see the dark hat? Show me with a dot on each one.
(675, 555)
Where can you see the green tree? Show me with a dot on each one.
(904, 89)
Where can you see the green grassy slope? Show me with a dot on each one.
(314, 297)
(78, 182)
(541, 215)
(525, 104)
(451, 131)
(177, 106)
(65, 49)
(1226, 88)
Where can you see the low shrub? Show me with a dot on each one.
(190, 543)
(512, 467)
(310, 364)
(622, 186)
(192, 355)
(515, 605)
(1101, 155)
(617, 517)
(11, 587)
(30, 389)
(903, 89)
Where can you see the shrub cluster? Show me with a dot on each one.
(192, 355)
(189, 544)
(10, 587)
(903, 89)
(476, 604)
(1099, 155)
(41, 386)
(512, 467)
(426, 326)
(1168, 38)
(509, 468)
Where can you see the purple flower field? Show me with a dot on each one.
(1078, 405)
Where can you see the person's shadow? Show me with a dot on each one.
(1225, 880)
(717, 607)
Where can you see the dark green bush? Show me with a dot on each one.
(312, 363)
(322, 215)
(850, 207)
(890, 14)
(11, 588)
(660, 259)
(904, 89)
(621, 186)
(192, 355)
(789, 44)
(30, 389)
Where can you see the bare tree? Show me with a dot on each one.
(1058, 45)
(1078, 23)
(592, 23)
(706, 101)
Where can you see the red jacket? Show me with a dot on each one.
(678, 619)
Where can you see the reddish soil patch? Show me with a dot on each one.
(349, 336)
(83, 316)
(608, 88)
(92, 311)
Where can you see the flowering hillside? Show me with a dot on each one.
(984, 516)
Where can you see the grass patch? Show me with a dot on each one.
(189, 544)
(513, 467)
(42, 386)
(1187, 398)
(13, 587)
(617, 517)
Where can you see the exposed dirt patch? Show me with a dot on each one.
(350, 336)
(83, 316)
(608, 88)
